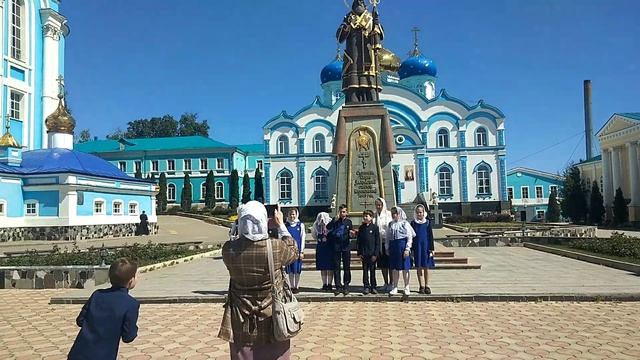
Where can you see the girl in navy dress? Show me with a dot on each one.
(324, 251)
(400, 236)
(382, 219)
(422, 248)
(296, 229)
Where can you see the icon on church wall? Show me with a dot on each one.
(409, 173)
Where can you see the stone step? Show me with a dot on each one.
(354, 254)
(439, 260)
(358, 266)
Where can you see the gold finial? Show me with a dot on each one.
(416, 50)
(60, 121)
(7, 140)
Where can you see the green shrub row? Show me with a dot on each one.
(459, 219)
(146, 254)
(618, 245)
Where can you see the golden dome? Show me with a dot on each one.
(388, 61)
(7, 140)
(60, 121)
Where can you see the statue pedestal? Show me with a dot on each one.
(364, 150)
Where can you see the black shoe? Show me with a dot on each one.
(295, 290)
(374, 290)
(421, 291)
(366, 291)
(324, 287)
(345, 291)
(336, 291)
(427, 290)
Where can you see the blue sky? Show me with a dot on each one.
(239, 63)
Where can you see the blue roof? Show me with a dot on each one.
(58, 160)
(633, 115)
(252, 148)
(150, 144)
(332, 72)
(417, 65)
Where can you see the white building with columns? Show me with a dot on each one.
(33, 40)
(617, 166)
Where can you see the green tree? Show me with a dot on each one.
(188, 125)
(596, 205)
(161, 198)
(209, 194)
(85, 135)
(620, 210)
(574, 199)
(234, 195)
(258, 186)
(246, 188)
(553, 208)
(117, 134)
(153, 177)
(138, 174)
(186, 196)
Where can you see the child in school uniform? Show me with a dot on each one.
(368, 250)
(108, 316)
(297, 231)
(324, 250)
(400, 236)
(422, 247)
(382, 219)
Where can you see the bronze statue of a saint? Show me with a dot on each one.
(362, 32)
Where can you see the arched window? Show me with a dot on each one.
(219, 190)
(321, 184)
(318, 144)
(285, 185)
(444, 181)
(171, 192)
(481, 137)
(483, 180)
(443, 138)
(283, 145)
(203, 190)
(17, 21)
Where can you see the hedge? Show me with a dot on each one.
(459, 219)
(618, 245)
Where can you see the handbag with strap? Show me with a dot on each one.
(287, 314)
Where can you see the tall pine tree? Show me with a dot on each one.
(258, 186)
(246, 188)
(574, 200)
(138, 174)
(620, 210)
(209, 194)
(186, 196)
(553, 208)
(161, 198)
(234, 191)
(596, 205)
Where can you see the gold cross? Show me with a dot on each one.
(60, 81)
(415, 31)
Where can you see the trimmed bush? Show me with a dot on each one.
(459, 219)
(618, 245)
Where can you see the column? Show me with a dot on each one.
(607, 185)
(633, 173)
(50, 71)
(616, 173)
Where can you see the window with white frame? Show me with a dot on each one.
(443, 138)
(540, 214)
(539, 192)
(524, 192)
(483, 177)
(553, 189)
(17, 26)
(203, 190)
(154, 165)
(321, 185)
(509, 193)
(98, 207)
(318, 144)
(122, 165)
(116, 208)
(285, 185)
(283, 145)
(204, 164)
(219, 190)
(133, 208)
(186, 164)
(259, 164)
(15, 104)
(444, 181)
(138, 166)
(31, 208)
(3, 208)
(171, 165)
(481, 137)
(219, 163)
(171, 192)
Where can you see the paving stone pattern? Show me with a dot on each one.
(32, 329)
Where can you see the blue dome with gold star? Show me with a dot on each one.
(417, 64)
(332, 72)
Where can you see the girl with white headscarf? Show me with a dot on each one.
(297, 231)
(324, 252)
(399, 236)
(247, 320)
(382, 218)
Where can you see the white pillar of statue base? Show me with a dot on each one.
(60, 140)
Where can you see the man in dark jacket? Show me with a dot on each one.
(368, 250)
(340, 233)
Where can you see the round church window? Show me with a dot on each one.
(399, 139)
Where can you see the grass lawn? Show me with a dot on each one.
(611, 257)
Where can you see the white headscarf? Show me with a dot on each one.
(401, 229)
(252, 221)
(383, 218)
(320, 226)
(297, 219)
(415, 214)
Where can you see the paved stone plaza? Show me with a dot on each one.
(32, 329)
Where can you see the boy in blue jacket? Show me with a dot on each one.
(109, 315)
